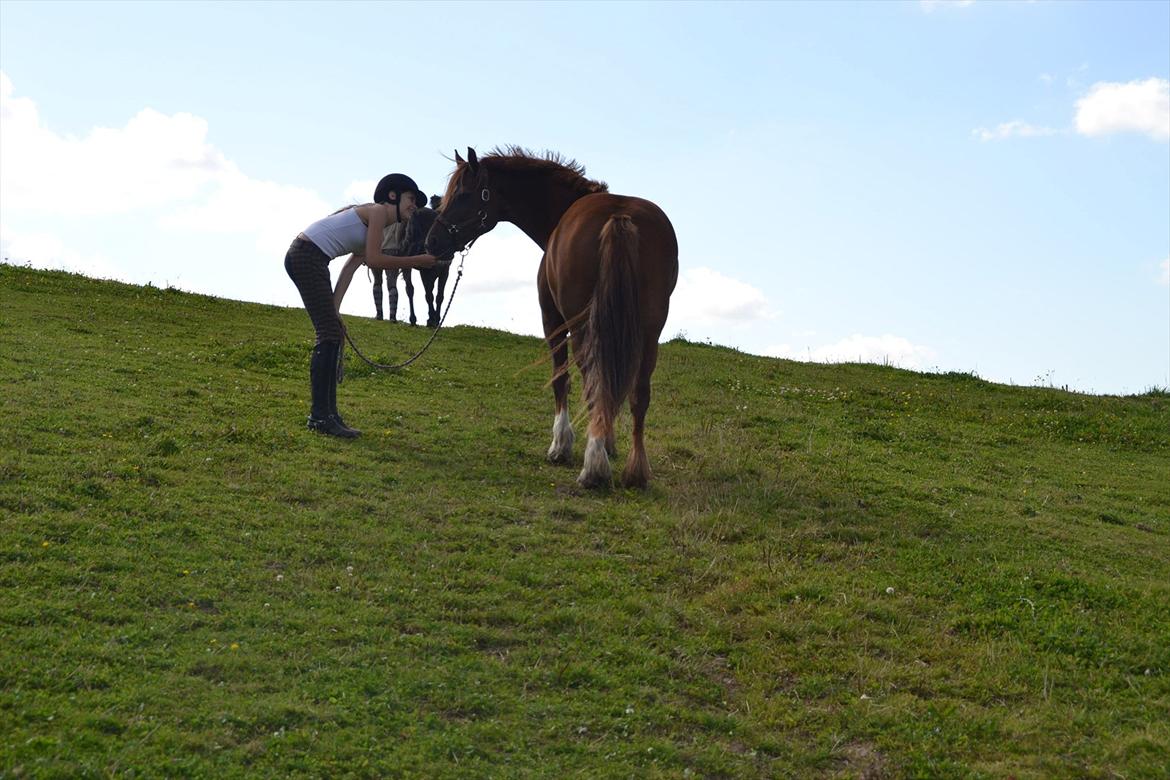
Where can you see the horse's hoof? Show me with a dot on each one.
(594, 481)
(636, 481)
(560, 458)
(595, 477)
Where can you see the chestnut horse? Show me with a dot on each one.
(610, 264)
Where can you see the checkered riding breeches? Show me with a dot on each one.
(308, 267)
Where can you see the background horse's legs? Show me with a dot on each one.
(439, 294)
(561, 449)
(392, 295)
(409, 294)
(378, 292)
(429, 291)
(637, 471)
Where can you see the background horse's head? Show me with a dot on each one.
(416, 231)
(468, 209)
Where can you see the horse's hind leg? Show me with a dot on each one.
(596, 470)
(637, 471)
(561, 449)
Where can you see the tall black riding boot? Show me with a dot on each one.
(323, 384)
(352, 432)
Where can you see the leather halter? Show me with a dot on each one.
(481, 216)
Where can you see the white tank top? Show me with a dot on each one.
(338, 234)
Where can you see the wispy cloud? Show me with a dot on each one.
(1107, 108)
(361, 191)
(1131, 107)
(931, 5)
(155, 161)
(1165, 277)
(1016, 128)
(886, 349)
(705, 295)
(42, 250)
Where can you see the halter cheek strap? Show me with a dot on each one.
(454, 230)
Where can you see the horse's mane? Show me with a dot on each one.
(517, 159)
(567, 169)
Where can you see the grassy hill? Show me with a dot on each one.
(839, 571)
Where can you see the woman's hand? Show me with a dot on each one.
(423, 261)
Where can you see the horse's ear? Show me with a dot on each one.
(458, 159)
(472, 160)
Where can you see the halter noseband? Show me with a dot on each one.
(454, 230)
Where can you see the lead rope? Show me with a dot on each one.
(417, 355)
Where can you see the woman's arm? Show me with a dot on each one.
(388, 263)
(343, 279)
(377, 219)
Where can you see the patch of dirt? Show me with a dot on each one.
(863, 762)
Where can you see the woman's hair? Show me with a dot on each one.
(350, 206)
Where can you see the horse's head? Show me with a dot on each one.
(468, 209)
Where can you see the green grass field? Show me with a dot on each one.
(838, 571)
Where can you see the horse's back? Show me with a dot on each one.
(572, 259)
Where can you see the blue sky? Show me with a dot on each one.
(972, 186)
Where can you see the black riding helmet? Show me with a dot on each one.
(400, 183)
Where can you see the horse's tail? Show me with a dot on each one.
(612, 346)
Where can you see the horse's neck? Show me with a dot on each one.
(537, 205)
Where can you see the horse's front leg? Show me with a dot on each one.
(429, 291)
(378, 293)
(561, 449)
(442, 284)
(409, 294)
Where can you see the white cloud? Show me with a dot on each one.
(502, 261)
(271, 213)
(705, 295)
(153, 159)
(153, 162)
(885, 349)
(360, 191)
(1014, 129)
(930, 5)
(1165, 277)
(1132, 107)
(41, 250)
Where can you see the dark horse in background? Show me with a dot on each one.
(412, 243)
(610, 264)
(392, 293)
